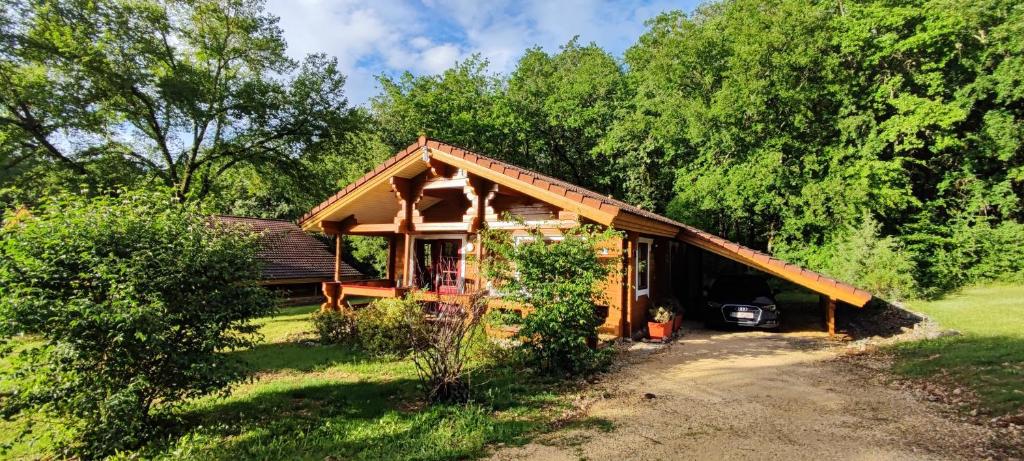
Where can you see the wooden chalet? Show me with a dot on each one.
(431, 200)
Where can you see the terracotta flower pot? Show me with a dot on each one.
(659, 330)
(677, 322)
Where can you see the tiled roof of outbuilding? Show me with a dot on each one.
(288, 252)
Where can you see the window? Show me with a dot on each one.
(643, 267)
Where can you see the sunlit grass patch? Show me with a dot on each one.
(311, 401)
(988, 357)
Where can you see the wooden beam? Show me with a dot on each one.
(440, 169)
(402, 187)
(477, 191)
(628, 284)
(817, 284)
(440, 226)
(374, 229)
(338, 227)
(627, 221)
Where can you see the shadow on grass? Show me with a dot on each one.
(992, 366)
(365, 419)
(301, 357)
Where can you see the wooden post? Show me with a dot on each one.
(829, 305)
(337, 257)
(404, 261)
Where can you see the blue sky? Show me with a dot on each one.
(427, 36)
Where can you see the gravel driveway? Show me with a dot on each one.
(753, 395)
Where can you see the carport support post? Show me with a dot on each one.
(828, 303)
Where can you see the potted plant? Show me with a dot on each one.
(660, 324)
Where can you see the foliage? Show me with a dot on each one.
(499, 317)
(776, 124)
(382, 326)
(548, 115)
(369, 254)
(186, 91)
(266, 190)
(333, 327)
(441, 343)
(133, 300)
(561, 281)
(864, 258)
(660, 314)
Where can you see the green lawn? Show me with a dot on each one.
(989, 356)
(310, 402)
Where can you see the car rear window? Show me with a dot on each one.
(739, 287)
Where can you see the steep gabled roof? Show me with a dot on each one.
(288, 253)
(600, 208)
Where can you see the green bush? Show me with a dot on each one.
(131, 302)
(334, 327)
(859, 255)
(972, 252)
(382, 327)
(561, 280)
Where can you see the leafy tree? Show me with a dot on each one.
(128, 304)
(784, 122)
(186, 91)
(561, 281)
(456, 106)
(558, 107)
(263, 190)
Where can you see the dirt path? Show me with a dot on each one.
(754, 395)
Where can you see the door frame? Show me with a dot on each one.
(462, 238)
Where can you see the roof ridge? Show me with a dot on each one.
(218, 215)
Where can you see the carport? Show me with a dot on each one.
(830, 291)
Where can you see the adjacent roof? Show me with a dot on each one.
(601, 208)
(289, 253)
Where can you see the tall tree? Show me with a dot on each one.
(558, 107)
(185, 90)
(456, 105)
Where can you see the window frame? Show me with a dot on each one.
(636, 262)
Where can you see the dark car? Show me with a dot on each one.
(742, 300)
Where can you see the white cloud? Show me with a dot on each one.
(370, 37)
(438, 58)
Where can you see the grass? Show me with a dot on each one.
(988, 357)
(311, 402)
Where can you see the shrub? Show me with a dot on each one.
(382, 328)
(862, 257)
(972, 252)
(561, 280)
(132, 300)
(333, 327)
(441, 345)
